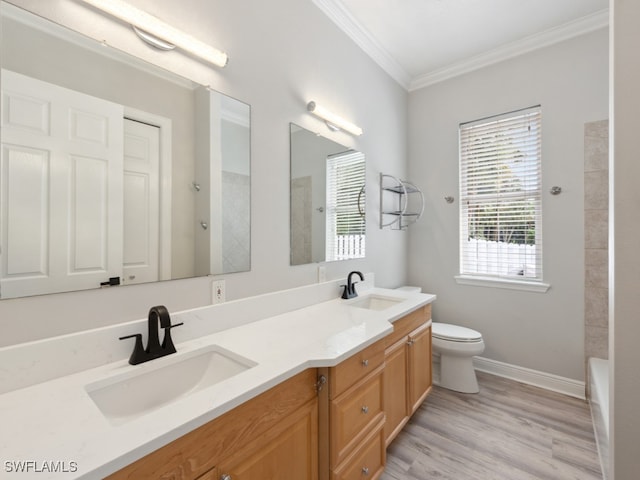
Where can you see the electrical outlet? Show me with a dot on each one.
(218, 291)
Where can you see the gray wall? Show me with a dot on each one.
(541, 331)
(624, 259)
(282, 54)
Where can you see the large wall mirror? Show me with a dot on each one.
(327, 199)
(113, 170)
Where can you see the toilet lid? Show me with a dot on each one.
(454, 333)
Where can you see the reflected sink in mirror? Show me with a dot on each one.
(144, 389)
(376, 302)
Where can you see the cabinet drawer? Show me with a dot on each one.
(408, 323)
(354, 414)
(348, 372)
(366, 462)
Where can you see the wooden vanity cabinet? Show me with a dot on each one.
(274, 435)
(407, 374)
(303, 429)
(353, 443)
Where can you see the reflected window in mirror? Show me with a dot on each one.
(327, 212)
(104, 152)
(345, 218)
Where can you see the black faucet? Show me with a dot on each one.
(350, 287)
(158, 314)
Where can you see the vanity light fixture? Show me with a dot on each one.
(158, 33)
(333, 121)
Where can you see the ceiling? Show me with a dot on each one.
(421, 42)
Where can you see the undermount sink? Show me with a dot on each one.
(157, 383)
(376, 302)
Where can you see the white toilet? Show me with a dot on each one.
(457, 346)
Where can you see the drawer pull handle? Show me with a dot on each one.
(365, 363)
(364, 409)
(226, 476)
(365, 471)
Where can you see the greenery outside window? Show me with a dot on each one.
(500, 198)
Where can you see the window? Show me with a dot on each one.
(500, 198)
(345, 206)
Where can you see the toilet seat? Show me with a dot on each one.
(454, 333)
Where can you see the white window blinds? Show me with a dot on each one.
(345, 221)
(500, 201)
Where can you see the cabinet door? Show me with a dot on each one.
(395, 389)
(288, 452)
(419, 360)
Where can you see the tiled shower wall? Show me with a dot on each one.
(236, 222)
(301, 221)
(596, 216)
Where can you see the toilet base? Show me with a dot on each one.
(457, 374)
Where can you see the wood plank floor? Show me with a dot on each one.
(508, 431)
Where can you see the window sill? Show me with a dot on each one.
(522, 285)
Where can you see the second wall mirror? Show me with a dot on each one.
(327, 199)
(113, 170)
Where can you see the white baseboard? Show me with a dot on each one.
(548, 381)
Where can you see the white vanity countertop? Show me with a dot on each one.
(56, 425)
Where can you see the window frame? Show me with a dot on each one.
(482, 148)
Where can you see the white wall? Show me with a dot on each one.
(624, 258)
(541, 331)
(282, 54)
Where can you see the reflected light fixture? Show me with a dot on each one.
(333, 121)
(158, 33)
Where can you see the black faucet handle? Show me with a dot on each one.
(138, 355)
(135, 335)
(167, 343)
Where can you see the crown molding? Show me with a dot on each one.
(335, 10)
(580, 26)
